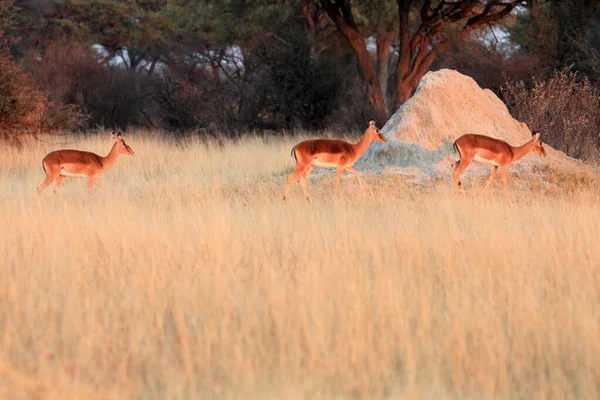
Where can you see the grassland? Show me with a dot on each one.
(189, 278)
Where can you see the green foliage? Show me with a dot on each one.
(560, 34)
(376, 15)
(298, 89)
(249, 64)
(141, 27)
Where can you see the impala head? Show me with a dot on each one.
(121, 145)
(538, 146)
(374, 133)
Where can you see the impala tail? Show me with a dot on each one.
(455, 165)
(293, 155)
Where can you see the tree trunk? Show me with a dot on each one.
(422, 57)
(402, 92)
(416, 53)
(306, 7)
(384, 41)
(215, 71)
(365, 66)
(152, 65)
(367, 72)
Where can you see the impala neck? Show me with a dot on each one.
(111, 158)
(521, 151)
(363, 144)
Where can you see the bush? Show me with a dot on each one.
(24, 108)
(565, 108)
(111, 96)
(189, 99)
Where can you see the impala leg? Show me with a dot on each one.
(59, 182)
(44, 185)
(492, 175)
(291, 179)
(306, 172)
(49, 179)
(302, 182)
(338, 176)
(100, 187)
(91, 182)
(504, 179)
(462, 165)
(91, 187)
(355, 172)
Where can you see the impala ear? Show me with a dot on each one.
(113, 136)
(119, 137)
(535, 135)
(371, 122)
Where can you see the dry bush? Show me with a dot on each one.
(188, 277)
(25, 108)
(112, 96)
(22, 104)
(279, 86)
(192, 100)
(565, 108)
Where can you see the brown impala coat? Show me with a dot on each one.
(494, 152)
(80, 164)
(325, 153)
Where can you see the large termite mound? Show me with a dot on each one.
(446, 106)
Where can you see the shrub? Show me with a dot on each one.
(24, 108)
(190, 100)
(565, 108)
(112, 96)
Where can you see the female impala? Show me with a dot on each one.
(81, 164)
(494, 152)
(330, 154)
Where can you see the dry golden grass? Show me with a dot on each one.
(188, 277)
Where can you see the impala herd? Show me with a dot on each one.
(321, 153)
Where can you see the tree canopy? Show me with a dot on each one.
(255, 64)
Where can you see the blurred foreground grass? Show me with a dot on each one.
(188, 277)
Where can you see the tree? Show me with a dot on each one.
(578, 35)
(560, 34)
(439, 24)
(139, 33)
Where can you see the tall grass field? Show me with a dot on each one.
(188, 277)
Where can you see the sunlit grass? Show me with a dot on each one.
(188, 277)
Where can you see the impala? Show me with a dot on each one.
(494, 152)
(81, 164)
(330, 154)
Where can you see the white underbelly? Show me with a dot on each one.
(484, 160)
(72, 175)
(322, 164)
